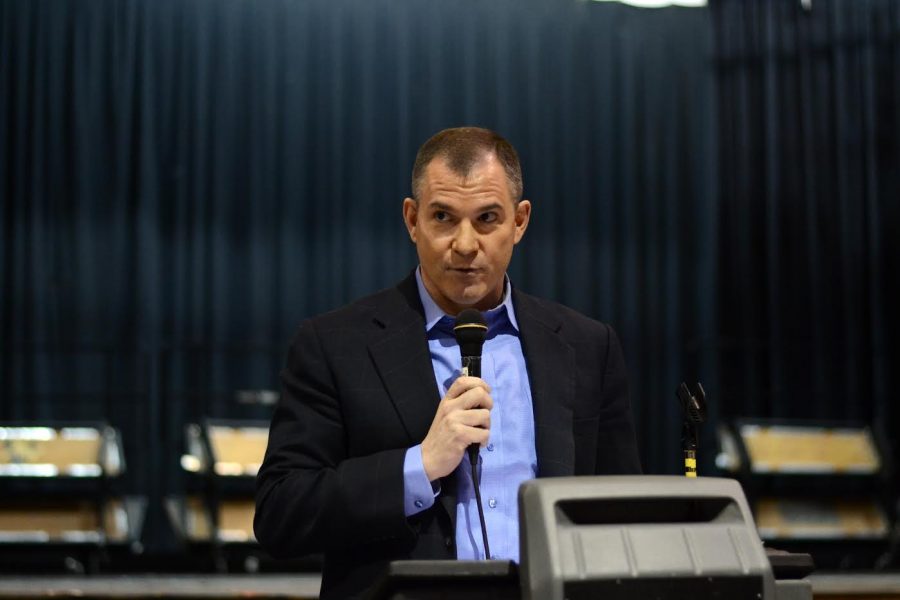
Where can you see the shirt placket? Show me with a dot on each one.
(491, 479)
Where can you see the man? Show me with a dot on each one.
(365, 457)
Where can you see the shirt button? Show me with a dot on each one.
(490, 447)
(492, 503)
(418, 503)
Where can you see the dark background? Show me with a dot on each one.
(183, 182)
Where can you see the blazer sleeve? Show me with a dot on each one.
(311, 496)
(617, 452)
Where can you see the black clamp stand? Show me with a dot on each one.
(693, 404)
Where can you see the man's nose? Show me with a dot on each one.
(466, 240)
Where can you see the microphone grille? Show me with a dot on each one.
(470, 318)
(470, 330)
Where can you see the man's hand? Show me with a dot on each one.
(463, 417)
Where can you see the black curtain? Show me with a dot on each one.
(809, 202)
(184, 181)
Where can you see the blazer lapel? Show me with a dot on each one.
(551, 373)
(403, 360)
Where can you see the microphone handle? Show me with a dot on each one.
(471, 367)
(472, 451)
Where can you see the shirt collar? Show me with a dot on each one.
(433, 313)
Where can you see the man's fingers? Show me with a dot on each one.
(466, 435)
(475, 398)
(480, 436)
(465, 383)
(476, 417)
(463, 418)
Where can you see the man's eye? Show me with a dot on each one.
(441, 216)
(488, 217)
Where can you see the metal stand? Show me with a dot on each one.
(694, 407)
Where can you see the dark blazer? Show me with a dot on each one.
(359, 389)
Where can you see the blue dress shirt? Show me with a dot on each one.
(509, 458)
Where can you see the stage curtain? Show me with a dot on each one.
(184, 181)
(809, 208)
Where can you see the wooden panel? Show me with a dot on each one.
(52, 519)
(238, 450)
(59, 521)
(820, 519)
(45, 451)
(236, 520)
(783, 449)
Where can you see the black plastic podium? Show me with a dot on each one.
(499, 579)
(449, 579)
(618, 538)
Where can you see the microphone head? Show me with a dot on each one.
(694, 405)
(470, 330)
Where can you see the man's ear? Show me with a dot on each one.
(523, 216)
(410, 217)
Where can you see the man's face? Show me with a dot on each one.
(464, 229)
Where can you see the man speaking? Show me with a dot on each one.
(367, 458)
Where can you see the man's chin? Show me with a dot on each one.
(479, 298)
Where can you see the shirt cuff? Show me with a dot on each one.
(418, 492)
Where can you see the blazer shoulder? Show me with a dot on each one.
(391, 306)
(561, 318)
(362, 308)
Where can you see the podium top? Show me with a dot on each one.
(441, 579)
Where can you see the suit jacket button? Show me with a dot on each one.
(448, 541)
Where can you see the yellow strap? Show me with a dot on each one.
(690, 467)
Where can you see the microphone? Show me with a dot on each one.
(470, 330)
(694, 407)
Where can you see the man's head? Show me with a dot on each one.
(461, 148)
(465, 216)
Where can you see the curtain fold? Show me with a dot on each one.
(809, 102)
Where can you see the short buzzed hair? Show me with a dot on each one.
(462, 148)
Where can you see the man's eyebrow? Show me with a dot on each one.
(438, 205)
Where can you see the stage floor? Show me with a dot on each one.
(257, 587)
(870, 586)
(831, 586)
